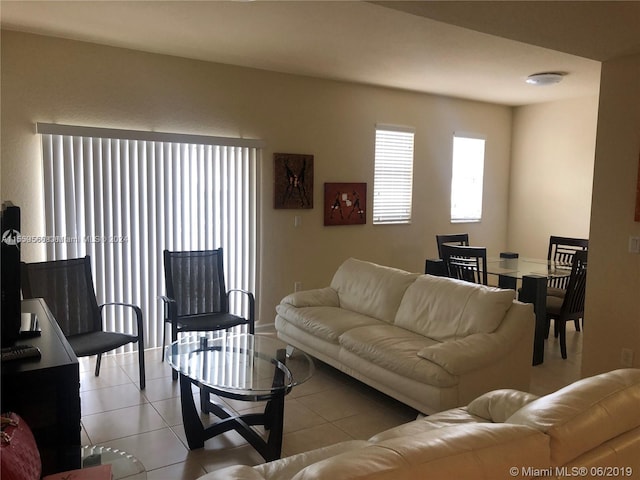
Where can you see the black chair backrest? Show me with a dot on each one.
(67, 288)
(573, 303)
(466, 263)
(561, 251)
(454, 238)
(195, 280)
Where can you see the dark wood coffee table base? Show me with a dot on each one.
(272, 418)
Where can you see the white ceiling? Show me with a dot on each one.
(397, 47)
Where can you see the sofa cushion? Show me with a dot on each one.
(475, 451)
(586, 413)
(444, 308)
(327, 323)
(396, 349)
(318, 297)
(234, 472)
(447, 418)
(371, 289)
(284, 468)
(621, 451)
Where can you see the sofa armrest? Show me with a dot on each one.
(235, 472)
(481, 349)
(466, 354)
(286, 467)
(319, 297)
(498, 405)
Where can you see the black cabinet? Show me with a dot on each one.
(46, 393)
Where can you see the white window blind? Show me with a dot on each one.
(393, 176)
(466, 179)
(122, 197)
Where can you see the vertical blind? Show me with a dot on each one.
(393, 175)
(123, 197)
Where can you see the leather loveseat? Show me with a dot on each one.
(589, 429)
(432, 343)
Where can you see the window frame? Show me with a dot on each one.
(387, 216)
(468, 218)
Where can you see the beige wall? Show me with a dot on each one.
(61, 81)
(612, 316)
(551, 173)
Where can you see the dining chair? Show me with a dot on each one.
(562, 249)
(196, 297)
(67, 288)
(561, 252)
(453, 238)
(571, 306)
(465, 263)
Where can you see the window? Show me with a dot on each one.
(393, 176)
(122, 197)
(466, 179)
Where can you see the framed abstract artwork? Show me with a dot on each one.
(345, 203)
(293, 180)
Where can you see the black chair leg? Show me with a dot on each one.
(577, 324)
(547, 328)
(174, 337)
(143, 380)
(563, 338)
(164, 338)
(98, 360)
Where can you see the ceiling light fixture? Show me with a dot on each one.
(545, 78)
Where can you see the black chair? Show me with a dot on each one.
(571, 306)
(196, 298)
(561, 252)
(465, 263)
(67, 288)
(454, 238)
(562, 249)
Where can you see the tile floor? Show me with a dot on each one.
(329, 408)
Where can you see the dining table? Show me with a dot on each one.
(529, 277)
(534, 275)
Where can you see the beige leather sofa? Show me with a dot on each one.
(431, 342)
(590, 429)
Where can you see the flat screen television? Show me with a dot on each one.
(10, 318)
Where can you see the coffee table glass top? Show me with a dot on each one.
(124, 466)
(243, 364)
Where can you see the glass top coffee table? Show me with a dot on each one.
(242, 367)
(124, 466)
